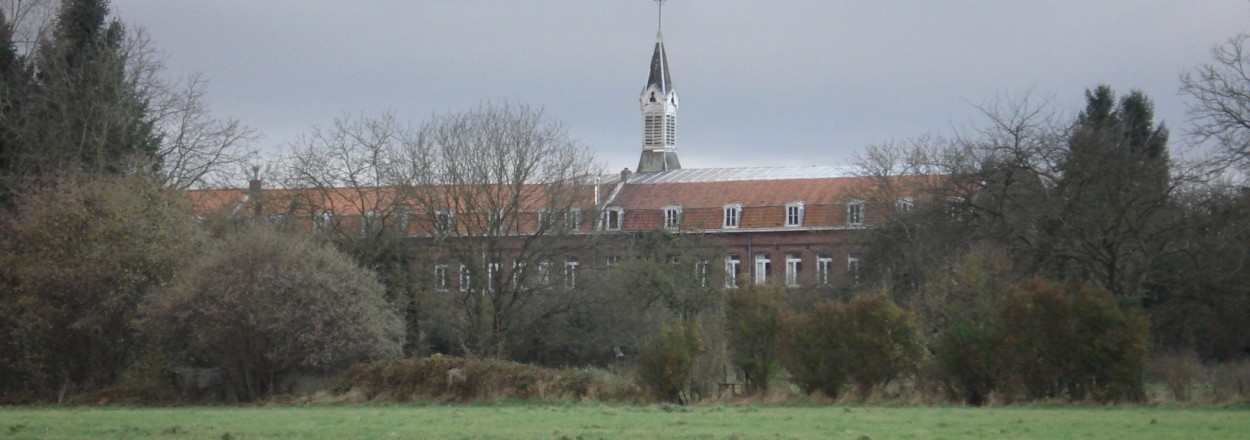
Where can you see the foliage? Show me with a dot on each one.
(812, 349)
(754, 326)
(262, 305)
(79, 254)
(1072, 341)
(88, 95)
(666, 362)
(882, 341)
(967, 362)
(869, 341)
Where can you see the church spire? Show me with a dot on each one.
(659, 111)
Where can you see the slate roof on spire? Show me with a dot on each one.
(659, 66)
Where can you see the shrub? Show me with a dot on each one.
(812, 349)
(263, 305)
(457, 379)
(666, 362)
(1072, 340)
(882, 341)
(754, 326)
(967, 360)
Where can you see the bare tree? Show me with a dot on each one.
(501, 189)
(1220, 110)
(349, 179)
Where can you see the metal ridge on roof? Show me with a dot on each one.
(738, 174)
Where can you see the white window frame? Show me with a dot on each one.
(492, 270)
(852, 265)
(518, 272)
(466, 278)
(444, 221)
(322, 221)
(570, 273)
(700, 272)
(733, 216)
(544, 273)
(442, 279)
(794, 264)
(906, 204)
(613, 218)
(733, 267)
(573, 219)
(823, 263)
(763, 264)
(855, 213)
(794, 214)
(672, 217)
(367, 220)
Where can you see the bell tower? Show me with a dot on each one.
(659, 112)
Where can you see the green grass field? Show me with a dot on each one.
(592, 421)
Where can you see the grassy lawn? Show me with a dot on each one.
(590, 421)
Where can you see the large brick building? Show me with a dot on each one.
(795, 226)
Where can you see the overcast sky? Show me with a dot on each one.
(762, 82)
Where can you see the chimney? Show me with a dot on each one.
(625, 175)
(254, 194)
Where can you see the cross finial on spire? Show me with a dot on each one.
(659, 21)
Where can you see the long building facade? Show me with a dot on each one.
(799, 227)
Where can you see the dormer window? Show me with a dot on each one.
(794, 214)
(613, 218)
(443, 221)
(733, 216)
(855, 213)
(672, 217)
(652, 96)
(906, 204)
(573, 219)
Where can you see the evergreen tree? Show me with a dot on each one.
(90, 112)
(1113, 193)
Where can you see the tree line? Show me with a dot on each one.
(1034, 255)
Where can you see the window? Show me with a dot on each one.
(855, 213)
(443, 221)
(733, 265)
(322, 222)
(794, 214)
(544, 273)
(906, 204)
(733, 215)
(794, 264)
(401, 225)
(823, 262)
(518, 273)
(852, 265)
(368, 222)
(441, 278)
(762, 265)
(612, 219)
(544, 219)
(492, 273)
(700, 272)
(670, 129)
(612, 260)
(497, 219)
(573, 219)
(466, 278)
(672, 217)
(570, 273)
(957, 206)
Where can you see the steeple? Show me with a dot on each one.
(659, 113)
